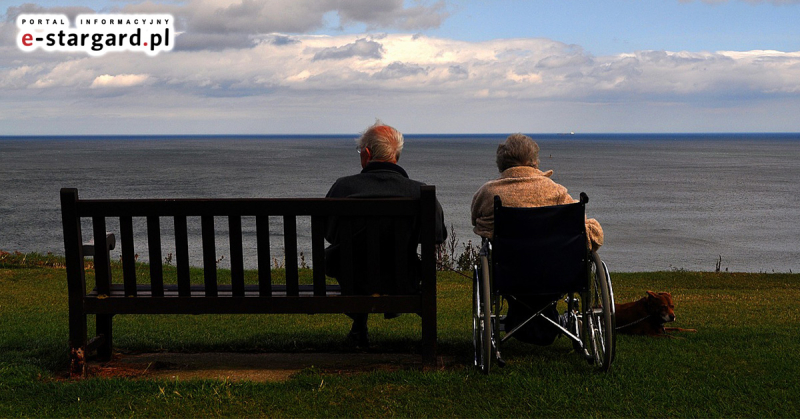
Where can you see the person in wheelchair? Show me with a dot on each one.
(522, 184)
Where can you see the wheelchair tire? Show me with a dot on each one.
(477, 333)
(601, 331)
(481, 318)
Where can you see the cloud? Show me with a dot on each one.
(276, 74)
(222, 24)
(122, 80)
(361, 48)
(520, 68)
(227, 17)
(12, 12)
(192, 41)
(71, 73)
(398, 70)
(391, 13)
(278, 39)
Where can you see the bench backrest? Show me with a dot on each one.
(212, 211)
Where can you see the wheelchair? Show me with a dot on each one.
(542, 251)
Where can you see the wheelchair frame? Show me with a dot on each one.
(590, 314)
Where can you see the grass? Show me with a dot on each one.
(743, 361)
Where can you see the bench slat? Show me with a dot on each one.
(209, 255)
(346, 266)
(290, 250)
(101, 262)
(182, 255)
(128, 256)
(198, 290)
(264, 260)
(154, 246)
(237, 255)
(246, 207)
(318, 254)
(373, 261)
(402, 239)
(252, 304)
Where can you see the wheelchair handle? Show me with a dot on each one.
(584, 198)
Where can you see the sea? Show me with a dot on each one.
(666, 202)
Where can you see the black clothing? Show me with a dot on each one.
(378, 180)
(381, 180)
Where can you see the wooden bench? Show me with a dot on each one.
(113, 296)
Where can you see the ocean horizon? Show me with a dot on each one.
(596, 136)
(666, 201)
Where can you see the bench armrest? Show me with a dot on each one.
(111, 240)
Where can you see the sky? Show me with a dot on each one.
(334, 66)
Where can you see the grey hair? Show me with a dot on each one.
(384, 142)
(517, 150)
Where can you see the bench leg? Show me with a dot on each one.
(429, 340)
(77, 345)
(104, 330)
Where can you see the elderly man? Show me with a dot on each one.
(379, 149)
(522, 184)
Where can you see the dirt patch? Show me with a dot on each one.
(260, 367)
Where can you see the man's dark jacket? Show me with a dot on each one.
(377, 180)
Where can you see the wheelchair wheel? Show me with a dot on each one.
(601, 321)
(481, 317)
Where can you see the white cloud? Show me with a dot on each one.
(273, 78)
(71, 73)
(522, 68)
(122, 80)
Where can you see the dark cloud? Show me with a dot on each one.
(398, 70)
(14, 11)
(254, 17)
(361, 48)
(189, 41)
(294, 16)
(281, 40)
(392, 13)
(458, 72)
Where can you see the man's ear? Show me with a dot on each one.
(365, 157)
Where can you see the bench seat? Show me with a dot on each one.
(116, 302)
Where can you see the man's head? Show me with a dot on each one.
(517, 150)
(380, 143)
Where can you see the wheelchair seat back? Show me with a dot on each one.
(540, 250)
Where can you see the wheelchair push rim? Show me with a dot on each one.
(481, 318)
(599, 316)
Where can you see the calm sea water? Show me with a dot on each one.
(665, 201)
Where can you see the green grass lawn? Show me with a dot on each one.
(743, 361)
